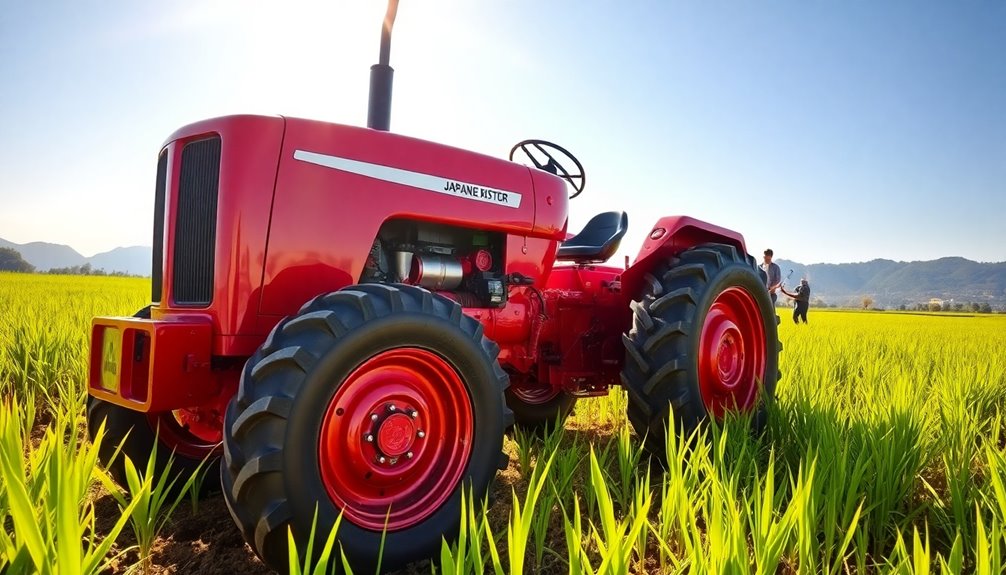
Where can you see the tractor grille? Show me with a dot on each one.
(196, 222)
(157, 266)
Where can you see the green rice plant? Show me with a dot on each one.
(669, 515)
(616, 539)
(805, 501)
(769, 534)
(519, 527)
(567, 463)
(955, 561)
(491, 543)
(525, 441)
(628, 458)
(577, 559)
(725, 532)
(737, 450)
(988, 546)
(540, 522)
(683, 487)
(841, 485)
(466, 555)
(898, 454)
(152, 497)
(642, 500)
(553, 435)
(995, 468)
(308, 565)
(921, 553)
(604, 459)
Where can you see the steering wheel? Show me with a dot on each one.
(577, 179)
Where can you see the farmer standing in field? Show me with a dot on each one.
(802, 297)
(773, 275)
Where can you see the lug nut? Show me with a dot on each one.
(421, 434)
(381, 459)
(394, 460)
(370, 438)
(391, 407)
(414, 414)
(408, 455)
(373, 417)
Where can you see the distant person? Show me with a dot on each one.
(773, 275)
(802, 298)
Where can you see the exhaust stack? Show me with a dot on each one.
(381, 76)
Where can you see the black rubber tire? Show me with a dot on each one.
(540, 417)
(140, 442)
(661, 362)
(271, 477)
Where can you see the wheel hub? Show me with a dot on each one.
(395, 435)
(729, 354)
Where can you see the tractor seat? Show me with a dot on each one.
(597, 241)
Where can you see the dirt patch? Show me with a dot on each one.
(206, 542)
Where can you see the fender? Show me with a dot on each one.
(669, 237)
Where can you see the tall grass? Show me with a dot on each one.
(885, 453)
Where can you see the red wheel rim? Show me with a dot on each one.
(194, 433)
(396, 439)
(731, 353)
(534, 395)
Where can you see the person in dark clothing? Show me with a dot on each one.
(802, 298)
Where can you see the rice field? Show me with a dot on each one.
(885, 452)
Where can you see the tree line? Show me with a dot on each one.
(11, 261)
(973, 307)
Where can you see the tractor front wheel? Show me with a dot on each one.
(703, 341)
(380, 403)
(139, 433)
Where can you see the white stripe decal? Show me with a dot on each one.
(427, 182)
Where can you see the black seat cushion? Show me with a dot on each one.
(598, 240)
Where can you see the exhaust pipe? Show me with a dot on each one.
(381, 76)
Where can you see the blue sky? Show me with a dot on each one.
(830, 131)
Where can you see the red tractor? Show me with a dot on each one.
(346, 320)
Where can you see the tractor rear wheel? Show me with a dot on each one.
(538, 408)
(187, 446)
(704, 341)
(380, 402)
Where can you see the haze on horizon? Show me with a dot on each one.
(829, 132)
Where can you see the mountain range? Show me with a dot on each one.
(887, 282)
(44, 256)
(891, 283)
